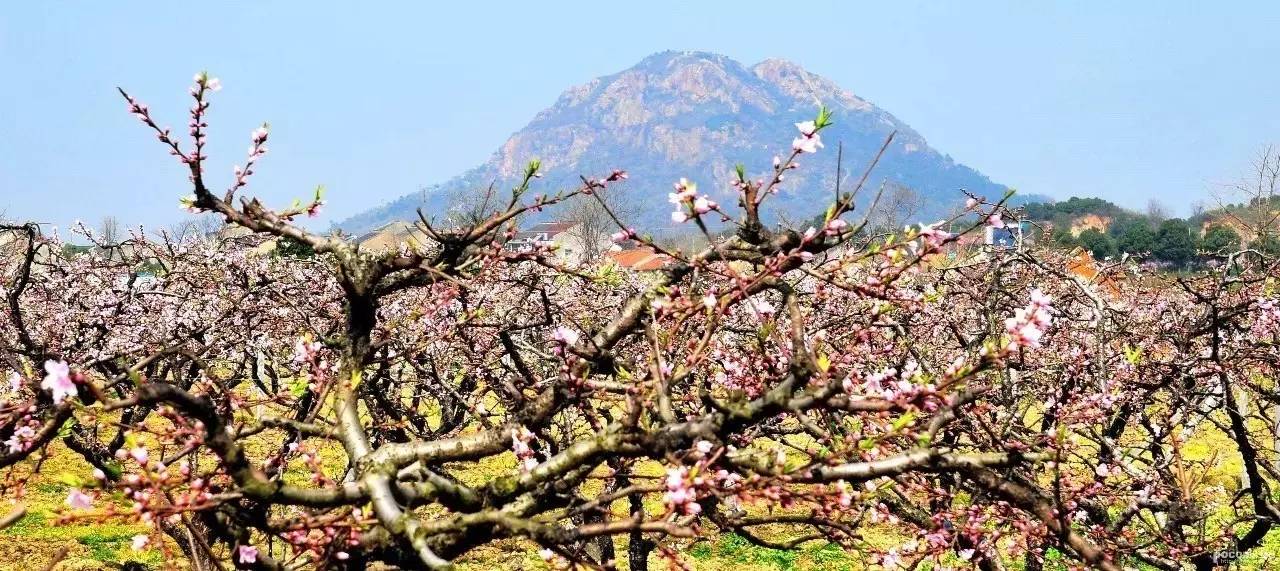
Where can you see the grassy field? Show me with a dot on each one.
(34, 541)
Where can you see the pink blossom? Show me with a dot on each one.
(305, 349)
(835, 226)
(891, 559)
(17, 441)
(965, 554)
(807, 128)
(660, 304)
(79, 500)
(546, 553)
(970, 203)
(247, 554)
(680, 496)
(565, 336)
(807, 144)
(139, 455)
(709, 301)
(846, 495)
(703, 205)
(995, 221)
(621, 235)
(520, 438)
(1027, 325)
(933, 234)
(58, 380)
(1039, 298)
(679, 217)
(15, 382)
(685, 191)
(762, 307)
(140, 542)
(873, 384)
(705, 446)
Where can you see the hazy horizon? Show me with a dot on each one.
(1125, 103)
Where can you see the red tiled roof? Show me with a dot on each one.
(1082, 264)
(641, 259)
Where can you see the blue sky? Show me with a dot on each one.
(1124, 100)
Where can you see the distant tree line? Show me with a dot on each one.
(1174, 242)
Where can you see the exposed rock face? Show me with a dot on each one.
(1090, 222)
(695, 115)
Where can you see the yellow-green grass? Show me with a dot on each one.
(32, 542)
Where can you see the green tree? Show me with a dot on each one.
(1137, 239)
(1062, 237)
(1174, 243)
(1268, 244)
(1097, 243)
(74, 250)
(1220, 240)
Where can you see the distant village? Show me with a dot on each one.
(1093, 232)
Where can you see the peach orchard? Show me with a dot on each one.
(788, 385)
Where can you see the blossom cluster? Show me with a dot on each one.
(1028, 324)
(689, 203)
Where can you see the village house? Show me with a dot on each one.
(566, 237)
(542, 234)
(643, 259)
(1080, 263)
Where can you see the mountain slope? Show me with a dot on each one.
(695, 115)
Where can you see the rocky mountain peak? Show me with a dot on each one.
(799, 83)
(696, 114)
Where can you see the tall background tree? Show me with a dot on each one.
(1220, 241)
(897, 205)
(1137, 239)
(1097, 242)
(593, 218)
(109, 232)
(1174, 242)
